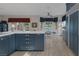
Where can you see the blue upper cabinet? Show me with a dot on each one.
(69, 5)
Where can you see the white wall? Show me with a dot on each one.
(32, 18)
(60, 25)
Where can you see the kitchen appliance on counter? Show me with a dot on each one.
(3, 26)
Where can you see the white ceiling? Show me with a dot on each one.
(32, 8)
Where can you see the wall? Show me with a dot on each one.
(59, 25)
(33, 19)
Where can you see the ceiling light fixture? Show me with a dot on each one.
(49, 12)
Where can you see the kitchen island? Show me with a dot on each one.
(21, 41)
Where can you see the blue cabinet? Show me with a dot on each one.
(69, 6)
(20, 39)
(74, 32)
(7, 45)
(71, 32)
(4, 45)
(11, 41)
(3, 26)
(0, 27)
(39, 42)
(29, 41)
(66, 31)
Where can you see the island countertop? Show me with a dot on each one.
(21, 32)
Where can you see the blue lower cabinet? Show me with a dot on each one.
(39, 42)
(10, 43)
(4, 46)
(7, 45)
(11, 39)
(29, 42)
(13, 42)
(19, 39)
(23, 42)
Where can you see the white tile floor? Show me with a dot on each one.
(54, 46)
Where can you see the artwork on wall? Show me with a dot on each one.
(34, 25)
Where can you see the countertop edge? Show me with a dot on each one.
(10, 33)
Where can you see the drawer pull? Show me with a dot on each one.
(28, 42)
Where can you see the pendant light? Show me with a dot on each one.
(49, 12)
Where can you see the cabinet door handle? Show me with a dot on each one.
(2, 39)
(28, 42)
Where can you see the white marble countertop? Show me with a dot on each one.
(21, 32)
